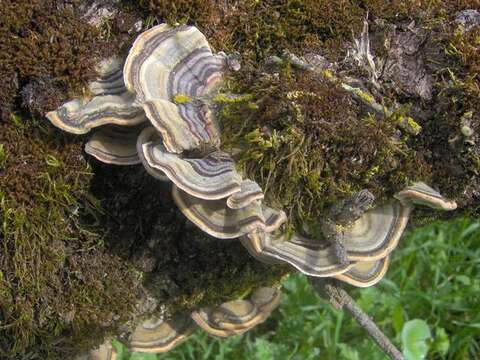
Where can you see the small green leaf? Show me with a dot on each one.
(415, 336)
(442, 342)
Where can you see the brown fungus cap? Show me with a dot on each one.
(158, 336)
(422, 194)
(110, 79)
(311, 259)
(377, 233)
(115, 145)
(365, 273)
(238, 316)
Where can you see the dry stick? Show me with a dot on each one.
(340, 299)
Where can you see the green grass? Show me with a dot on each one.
(434, 276)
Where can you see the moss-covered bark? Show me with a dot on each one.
(82, 242)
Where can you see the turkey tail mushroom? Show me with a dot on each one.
(149, 135)
(216, 218)
(249, 192)
(238, 316)
(166, 68)
(158, 336)
(377, 232)
(422, 194)
(115, 145)
(111, 103)
(211, 177)
(365, 273)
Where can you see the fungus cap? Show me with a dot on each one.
(211, 177)
(377, 232)
(422, 194)
(216, 218)
(249, 192)
(365, 273)
(149, 134)
(79, 116)
(114, 145)
(157, 336)
(104, 352)
(165, 62)
(238, 316)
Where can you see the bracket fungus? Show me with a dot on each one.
(235, 317)
(168, 81)
(157, 336)
(238, 316)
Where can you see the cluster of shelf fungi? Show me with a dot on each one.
(154, 108)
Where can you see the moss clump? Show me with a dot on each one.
(454, 133)
(258, 29)
(45, 39)
(59, 290)
(306, 141)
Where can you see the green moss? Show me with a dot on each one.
(59, 289)
(307, 144)
(45, 41)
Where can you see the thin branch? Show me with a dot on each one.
(340, 299)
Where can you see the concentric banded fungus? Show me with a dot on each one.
(238, 316)
(80, 115)
(165, 63)
(212, 177)
(377, 232)
(157, 336)
(305, 255)
(365, 273)
(115, 145)
(110, 80)
(216, 218)
(150, 134)
(249, 192)
(422, 194)
(112, 104)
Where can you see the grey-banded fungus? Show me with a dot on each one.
(249, 192)
(238, 316)
(110, 80)
(216, 218)
(211, 177)
(111, 104)
(365, 273)
(157, 336)
(169, 68)
(115, 145)
(422, 194)
(305, 255)
(150, 134)
(80, 115)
